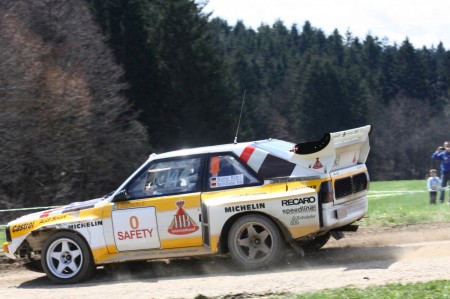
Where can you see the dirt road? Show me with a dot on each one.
(415, 253)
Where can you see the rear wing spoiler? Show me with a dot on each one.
(334, 151)
(274, 158)
(352, 146)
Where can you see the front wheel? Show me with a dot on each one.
(66, 258)
(255, 242)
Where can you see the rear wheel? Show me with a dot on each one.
(66, 258)
(255, 242)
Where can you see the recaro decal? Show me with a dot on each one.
(298, 201)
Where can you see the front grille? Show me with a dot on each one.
(359, 182)
(350, 185)
(343, 187)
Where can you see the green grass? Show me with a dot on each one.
(2, 236)
(2, 239)
(403, 202)
(433, 289)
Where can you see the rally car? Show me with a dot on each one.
(248, 200)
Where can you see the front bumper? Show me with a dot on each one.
(7, 250)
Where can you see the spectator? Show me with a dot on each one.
(442, 153)
(433, 185)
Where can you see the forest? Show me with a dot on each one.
(88, 89)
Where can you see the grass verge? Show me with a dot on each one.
(403, 202)
(433, 289)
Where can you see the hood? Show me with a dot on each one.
(73, 207)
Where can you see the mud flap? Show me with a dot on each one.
(297, 248)
(337, 235)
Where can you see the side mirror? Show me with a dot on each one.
(121, 196)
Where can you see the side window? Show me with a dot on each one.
(166, 177)
(226, 171)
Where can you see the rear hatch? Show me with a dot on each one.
(349, 173)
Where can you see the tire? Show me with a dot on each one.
(255, 242)
(66, 258)
(316, 243)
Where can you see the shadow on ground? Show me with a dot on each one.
(349, 258)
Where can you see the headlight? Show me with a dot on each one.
(8, 234)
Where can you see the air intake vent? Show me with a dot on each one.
(359, 182)
(350, 185)
(205, 225)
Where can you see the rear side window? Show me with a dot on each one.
(166, 177)
(225, 171)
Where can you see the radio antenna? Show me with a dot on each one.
(239, 122)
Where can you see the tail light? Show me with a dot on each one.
(326, 192)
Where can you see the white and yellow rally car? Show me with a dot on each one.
(246, 199)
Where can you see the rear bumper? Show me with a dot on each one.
(335, 216)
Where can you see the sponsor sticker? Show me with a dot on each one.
(317, 164)
(337, 160)
(182, 223)
(135, 229)
(245, 207)
(23, 226)
(296, 220)
(53, 219)
(299, 210)
(85, 224)
(225, 181)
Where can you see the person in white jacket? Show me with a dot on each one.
(433, 185)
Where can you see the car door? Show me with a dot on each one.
(162, 207)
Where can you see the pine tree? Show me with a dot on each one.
(71, 134)
(175, 73)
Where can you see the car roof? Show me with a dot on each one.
(276, 147)
(202, 150)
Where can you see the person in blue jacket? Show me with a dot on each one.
(442, 153)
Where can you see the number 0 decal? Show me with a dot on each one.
(135, 229)
(134, 222)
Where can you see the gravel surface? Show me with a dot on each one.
(371, 256)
